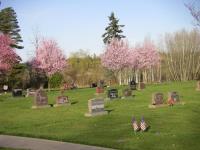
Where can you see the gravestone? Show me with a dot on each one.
(100, 87)
(174, 96)
(141, 85)
(96, 107)
(62, 100)
(198, 86)
(93, 85)
(16, 92)
(133, 85)
(157, 100)
(30, 92)
(5, 88)
(41, 99)
(113, 93)
(127, 92)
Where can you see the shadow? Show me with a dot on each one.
(109, 110)
(51, 105)
(75, 102)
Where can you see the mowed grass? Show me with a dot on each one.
(176, 127)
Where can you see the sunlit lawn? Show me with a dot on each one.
(176, 127)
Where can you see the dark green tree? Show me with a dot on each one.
(9, 25)
(113, 30)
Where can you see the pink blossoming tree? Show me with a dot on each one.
(49, 57)
(8, 56)
(144, 57)
(115, 56)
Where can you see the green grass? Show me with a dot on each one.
(171, 128)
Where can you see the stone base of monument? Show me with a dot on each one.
(58, 105)
(44, 106)
(96, 114)
(165, 105)
(158, 106)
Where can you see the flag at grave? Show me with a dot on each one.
(143, 125)
(135, 124)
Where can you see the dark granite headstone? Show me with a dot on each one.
(133, 85)
(93, 85)
(41, 99)
(16, 92)
(174, 96)
(112, 93)
(157, 99)
(95, 107)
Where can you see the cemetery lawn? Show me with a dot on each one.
(176, 127)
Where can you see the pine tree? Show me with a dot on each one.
(113, 30)
(9, 25)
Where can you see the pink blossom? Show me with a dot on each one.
(116, 55)
(49, 57)
(8, 56)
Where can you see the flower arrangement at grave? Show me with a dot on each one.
(170, 102)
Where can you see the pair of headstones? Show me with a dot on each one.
(158, 99)
(113, 93)
(95, 107)
(41, 99)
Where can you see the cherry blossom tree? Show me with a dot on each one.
(49, 57)
(8, 56)
(144, 57)
(115, 56)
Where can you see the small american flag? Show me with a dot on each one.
(135, 124)
(143, 125)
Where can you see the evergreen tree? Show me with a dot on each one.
(113, 30)
(9, 25)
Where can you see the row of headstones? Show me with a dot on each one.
(96, 106)
(41, 98)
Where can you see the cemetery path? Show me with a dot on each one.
(42, 144)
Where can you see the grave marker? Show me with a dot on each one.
(141, 85)
(96, 107)
(17, 92)
(41, 99)
(174, 96)
(133, 85)
(113, 93)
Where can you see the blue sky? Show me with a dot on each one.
(79, 24)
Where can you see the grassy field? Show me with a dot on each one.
(176, 127)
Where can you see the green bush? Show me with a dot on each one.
(56, 80)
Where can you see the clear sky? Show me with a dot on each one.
(79, 24)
